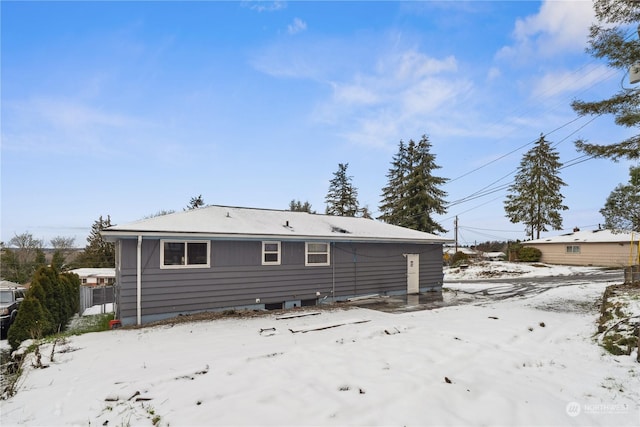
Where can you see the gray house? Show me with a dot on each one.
(221, 257)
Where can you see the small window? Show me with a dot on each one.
(270, 253)
(184, 254)
(317, 254)
(573, 249)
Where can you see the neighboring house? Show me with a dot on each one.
(494, 256)
(221, 257)
(602, 248)
(450, 251)
(96, 276)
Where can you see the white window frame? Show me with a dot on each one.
(185, 265)
(265, 252)
(307, 253)
(573, 249)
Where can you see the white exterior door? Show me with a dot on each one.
(413, 273)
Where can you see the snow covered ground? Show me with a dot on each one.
(529, 361)
(503, 269)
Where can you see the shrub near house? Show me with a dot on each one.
(50, 302)
(529, 254)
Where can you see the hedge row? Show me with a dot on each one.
(51, 301)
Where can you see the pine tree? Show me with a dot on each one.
(424, 197)
(195, 202)
(298, 206)
(622, 208)
(534, 198)
(31, 322)
(412, 193)
(51, 301)
(609, 39)
(342, 198)
(98, 253)
(393, 194)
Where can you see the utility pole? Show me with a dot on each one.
(455, 226)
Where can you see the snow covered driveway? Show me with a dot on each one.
(509, 362)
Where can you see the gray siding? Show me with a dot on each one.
(236, 277)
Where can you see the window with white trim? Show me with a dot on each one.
(573, 249)
(185, 253)
(270, 253)
(316, 253)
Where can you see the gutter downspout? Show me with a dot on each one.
(333, 272)
(139, 281)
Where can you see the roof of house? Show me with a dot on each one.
(95, 272)
(590, 236)
(466, 251)
(227, 222)
(8, 284)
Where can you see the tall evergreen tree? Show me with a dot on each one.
(534, 198)
(413, 193)
(610, 39)
(342, 198)
(393, 194)
(424, 196)
(622, 208)
(98, 253)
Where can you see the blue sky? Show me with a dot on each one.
(129, 108)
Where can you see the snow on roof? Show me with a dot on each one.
(466, 251)
(589, 236)
(95, 272)
(8, 284)
(238, 222)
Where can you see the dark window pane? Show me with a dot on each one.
(196, 253)
(317, 258)
(173, 253)
(271, 257)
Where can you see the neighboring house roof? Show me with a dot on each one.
(95, 272)
(493, 254)
(466, 251)
(250, 223)
(8, 284)
(589, 236)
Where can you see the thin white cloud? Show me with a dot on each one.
(264, 6)
(297, 26)
(52, 124)
(494, 73)
(559, 27)
(415, 65)
(355, 93)
(560, 82)
(72, 115)
(405, 93)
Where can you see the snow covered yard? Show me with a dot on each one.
(512, 362)
(504, 269)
